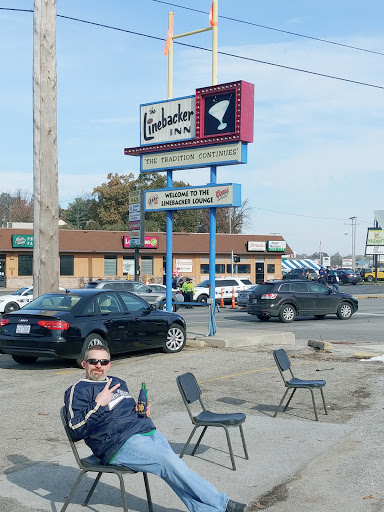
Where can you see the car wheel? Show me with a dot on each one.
(287, 313)
(344, 311)
(90, 341)
(320, 317)
(202, 298)
(370, 279)
(24, 359)
(176, 338)
(354, 283)
(263, 318)
(11, 306)
(163, 307)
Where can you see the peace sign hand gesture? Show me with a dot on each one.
(105, 396)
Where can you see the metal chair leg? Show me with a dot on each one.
(123, 493)
(281, 401)
(230, 449)
(91, 490)
(198, 441)
(289, 400)
(243, 439)
(322, 396)
(148, 492)
(73, 490)
(314, 403)
(188, 441)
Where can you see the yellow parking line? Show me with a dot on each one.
(245, 373)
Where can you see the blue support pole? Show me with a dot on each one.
(169, 250)
(212, 257)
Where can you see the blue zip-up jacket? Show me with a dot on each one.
(104, 428)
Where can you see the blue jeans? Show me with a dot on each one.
(154, 455)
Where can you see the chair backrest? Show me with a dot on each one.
(71, 439)
(282, 362)
(189, 390)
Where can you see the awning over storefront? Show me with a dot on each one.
(290, 264)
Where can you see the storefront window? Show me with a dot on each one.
(66, 264)
(25, 264)
(146, 265)
(110, 265)
(219, 268)
(270, 268)
(241, 268)
(129, 265)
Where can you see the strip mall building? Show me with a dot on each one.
(89, 255)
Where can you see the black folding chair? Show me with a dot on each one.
(92, 463)
(283, 363)
(190, 392)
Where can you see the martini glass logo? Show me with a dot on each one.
(218, 111)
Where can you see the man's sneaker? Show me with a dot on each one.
(235, 506)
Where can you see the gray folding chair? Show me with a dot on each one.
(283, 363)
(190, 392)
(92, 463)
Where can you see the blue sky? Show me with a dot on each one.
(317, 157)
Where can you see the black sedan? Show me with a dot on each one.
(345, 276)
(66, 324)
(286, 300)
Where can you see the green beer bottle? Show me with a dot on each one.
(142, 402)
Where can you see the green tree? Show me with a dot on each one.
(111, 208)
(79, 212)
(336, 260)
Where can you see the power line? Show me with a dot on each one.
(250, 59)
(273, 28)
(308, 216)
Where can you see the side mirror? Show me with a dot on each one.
(153, 307)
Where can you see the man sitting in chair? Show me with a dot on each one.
(101, 411)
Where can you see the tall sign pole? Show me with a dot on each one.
(45, 174)
(212, 211)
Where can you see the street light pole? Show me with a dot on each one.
(353, 225)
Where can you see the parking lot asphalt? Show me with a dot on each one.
(295, 463)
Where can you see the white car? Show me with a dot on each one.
(226, 284)
(16, 300)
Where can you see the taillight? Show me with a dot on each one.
(3, 322)
(269, 296)
(54, 325)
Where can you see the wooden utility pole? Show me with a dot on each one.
(45, 174)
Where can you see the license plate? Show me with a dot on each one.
(23, 329)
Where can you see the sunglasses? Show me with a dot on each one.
(94, 362)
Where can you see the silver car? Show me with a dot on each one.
(142, 290)
(242, 298)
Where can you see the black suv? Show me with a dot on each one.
(302, 273)
(287, 300)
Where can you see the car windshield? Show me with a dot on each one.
(204, 284)
(22, 290)
(54, 302)
(91, 285)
